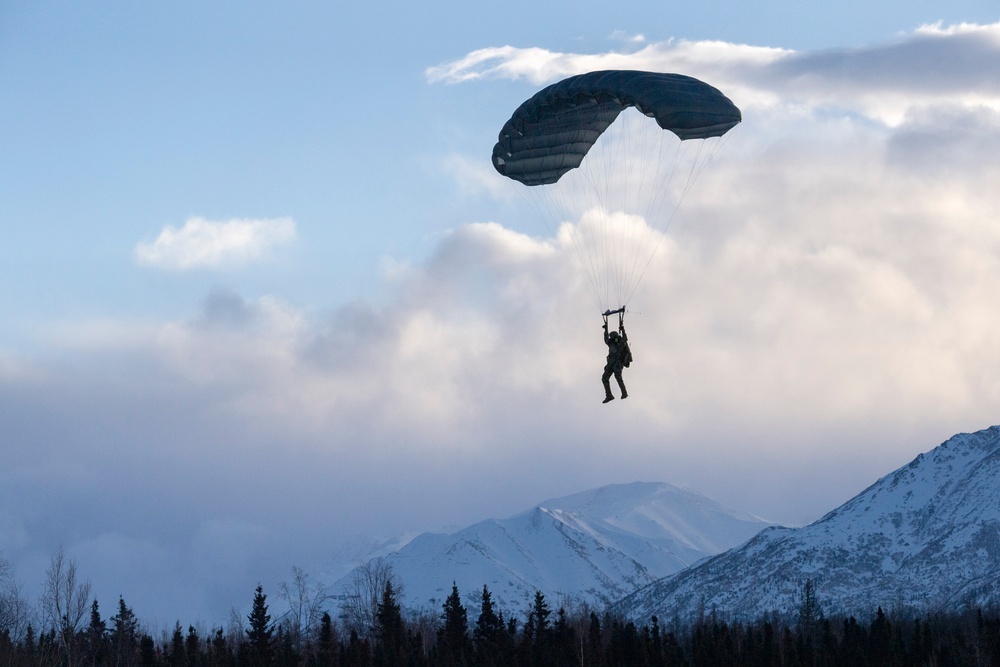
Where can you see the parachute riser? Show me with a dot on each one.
(621, 318)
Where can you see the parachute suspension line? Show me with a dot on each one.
(662, 196)
(581, 194)
(563, 203)
(698, 165)
(598, 250)
(611, 170)
(609, 197)
(649, 147)
(627, 237)
(604, 162)
(546, 208)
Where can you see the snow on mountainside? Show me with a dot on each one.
(596, 546)
(922, 538)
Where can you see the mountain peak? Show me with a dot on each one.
(594, 546)
(924, 537)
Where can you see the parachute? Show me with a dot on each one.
(606, 175)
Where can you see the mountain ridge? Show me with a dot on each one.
(924, 537)
(595, 547)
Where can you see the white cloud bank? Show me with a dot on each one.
(207, 244)
(935, 64)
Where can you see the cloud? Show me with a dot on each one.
(207, 244)
(539, 66)
(933, 65)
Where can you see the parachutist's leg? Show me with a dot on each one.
(621, 383)
(606, 379)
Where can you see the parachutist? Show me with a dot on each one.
(619, 357)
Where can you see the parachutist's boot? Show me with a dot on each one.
(608, 398)
(621, 385)
(607, 392)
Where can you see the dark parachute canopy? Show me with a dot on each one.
(551, 132)
(610, 178)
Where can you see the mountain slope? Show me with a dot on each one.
(595, 546)
(924, 537)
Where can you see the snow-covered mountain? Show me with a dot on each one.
(595, 547)
(924, 537)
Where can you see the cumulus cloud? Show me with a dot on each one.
(208, 244)
(832, 265)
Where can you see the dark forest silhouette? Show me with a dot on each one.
(68, 630)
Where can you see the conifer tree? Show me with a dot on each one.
(147, 651)
(358, 652)
(453, 637)
(564, 649)
(285, 653)
(220, 654)
(97, 638)
(192, 648)
(490, 639)
(177, 657)
(593, 640)
(879, 635)
(488, 625)
(810, 612)
(390, 634)
(327, 653)
(540, 613)
(535, 645)
(260, 631)
(124, 636)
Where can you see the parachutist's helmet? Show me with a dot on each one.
(613, 335)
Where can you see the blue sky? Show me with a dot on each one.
(264, 296)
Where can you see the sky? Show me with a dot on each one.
(265, 302)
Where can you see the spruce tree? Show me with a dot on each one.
(453, 638)
(564, 649)
(327, 652)
(220, 654)
(488, 625)
(177, 656)
(97, 638)
(390, 634)
(594, 642)
(540, 614)
(124, 636)
(147, 651)
(260, 631)
(490, 634)
(192, 648)
(880, 635)
(810, 612)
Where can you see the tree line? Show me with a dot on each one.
(372, 630)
